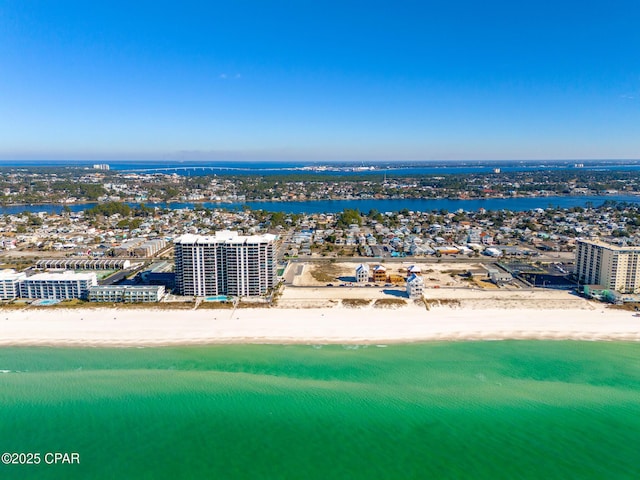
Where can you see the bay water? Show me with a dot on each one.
(515, 204)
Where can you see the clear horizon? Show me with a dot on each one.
(470, 161)
(292, 81)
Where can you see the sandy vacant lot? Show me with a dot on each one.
(462, 297)
(444, 286)
(312, 274)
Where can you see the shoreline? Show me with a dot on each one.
(150, 203)
(101, 327)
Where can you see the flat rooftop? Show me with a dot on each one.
(66, 275)
(224, 237)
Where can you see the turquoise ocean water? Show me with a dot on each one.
(478, 410)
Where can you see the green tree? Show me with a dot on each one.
(348, 217)
(278, 219)
(108, 209)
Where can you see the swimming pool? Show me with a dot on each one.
(217, 298)
(44, 302)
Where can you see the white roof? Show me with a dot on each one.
(66, 275)
(600, 243)
(415, 279)
(224, 236)
(10, 274)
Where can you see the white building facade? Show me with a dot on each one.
(415, 286)
(225, 264)
(615, 268)
(10, 284)
(59, 286)
(362, 273)
(126, 293)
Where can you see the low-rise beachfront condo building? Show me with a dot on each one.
(415, 286)
(10, 283)
(83, 264)
(225, 264)
(126, 293)
(613, 267)
(59, 286)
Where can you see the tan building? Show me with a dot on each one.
(379, 274)
(613, 267)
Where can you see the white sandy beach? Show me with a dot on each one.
(320, 314)
(134, 327)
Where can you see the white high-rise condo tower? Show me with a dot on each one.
(225, 264)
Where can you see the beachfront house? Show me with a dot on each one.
(498, 276)
(362, 273)
(414, 269)
(415, 286)
(379, 274)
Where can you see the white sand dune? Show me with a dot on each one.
(135, 327)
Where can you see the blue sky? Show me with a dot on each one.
(319, 80)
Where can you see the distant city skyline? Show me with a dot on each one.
(330, 81)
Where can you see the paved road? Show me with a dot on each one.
(292, 271)
(395, 260)
(444, 259)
